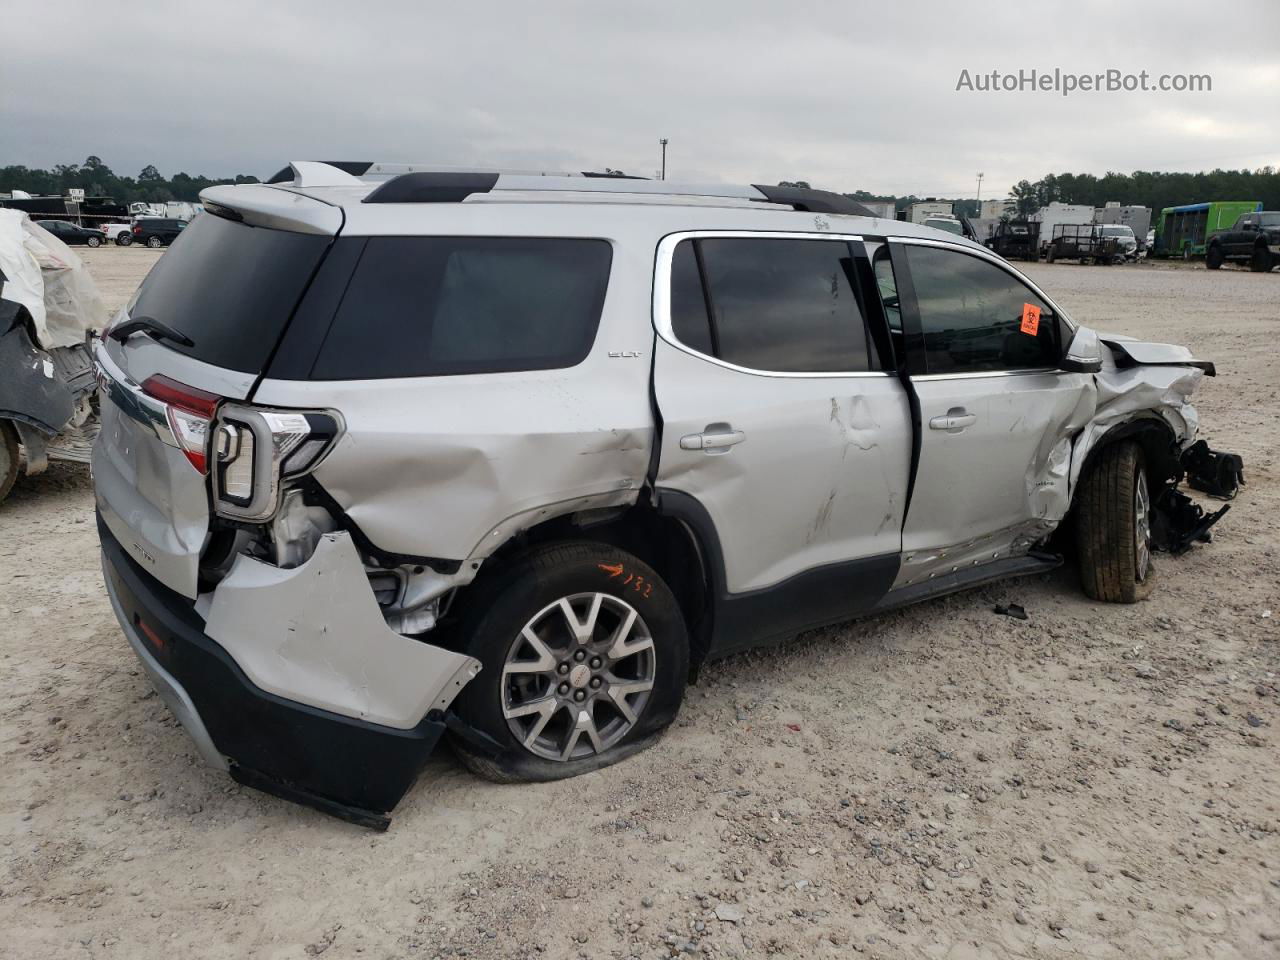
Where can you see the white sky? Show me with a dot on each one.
(847, 95)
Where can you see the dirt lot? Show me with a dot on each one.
(1098, 781)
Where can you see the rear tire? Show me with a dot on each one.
(557, 714)
(1113, 527)
(154, 243)
(1260, 262)
(1213, 257)
(123, 240)
(1050, 255)
(8, 458)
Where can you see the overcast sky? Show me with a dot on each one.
(847, 95)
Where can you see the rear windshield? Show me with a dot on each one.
(431, 306)
(229, 287)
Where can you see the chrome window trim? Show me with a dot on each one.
(984, 374)
(982, 253)
(662, 298)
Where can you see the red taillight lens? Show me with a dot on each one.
(190, 413)
(136, 228)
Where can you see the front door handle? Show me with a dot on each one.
(955, 420)
(712, 440)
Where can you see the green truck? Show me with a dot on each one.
(1183, 231)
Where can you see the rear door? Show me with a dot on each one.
(779, 415)
(996, 413)
(229, 288)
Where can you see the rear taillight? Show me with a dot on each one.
(137, 229)
(190, 412)
(256, 449)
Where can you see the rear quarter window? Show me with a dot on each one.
(435, 306)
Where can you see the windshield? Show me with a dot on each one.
(1269, 219)
(1117, 231)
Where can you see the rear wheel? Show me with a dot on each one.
(1213, 257)
(585, 656)
(1260, 262)
(1113, 527)
(154, 242)
(8, 458)
(123, 239)
(1050, 255)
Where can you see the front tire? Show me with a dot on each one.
(8, 458)
(1113, 527)
(1260, 262)
(585, 656)
(94, 242)
(1213, 257)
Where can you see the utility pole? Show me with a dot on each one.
(980, 176)
(663, 175)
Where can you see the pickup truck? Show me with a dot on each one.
(1253, 239)
(121, 233)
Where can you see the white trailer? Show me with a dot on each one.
(884, 209)
(922, 210)
(1136, 217)
(1058, 214)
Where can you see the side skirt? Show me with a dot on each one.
(967, 578)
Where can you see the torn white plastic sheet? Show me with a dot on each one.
(314, 634)
(44, 275)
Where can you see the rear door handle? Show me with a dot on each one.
(712, 441)
(956, 419)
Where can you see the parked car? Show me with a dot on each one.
(431, 454)
(1253, 239)
(73, 235)
(1126, 242)
(157, 231)
(121, 233)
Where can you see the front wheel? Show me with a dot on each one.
(94, 242)
(1113, 526)
(154, 243)
(1260, 262)
(1213, 257)
(585, 656)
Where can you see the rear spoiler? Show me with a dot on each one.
(278, 208)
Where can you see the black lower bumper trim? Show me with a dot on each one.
(343, 766)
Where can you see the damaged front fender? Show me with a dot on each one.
(315, 634)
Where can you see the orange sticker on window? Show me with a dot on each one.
(1030, 319)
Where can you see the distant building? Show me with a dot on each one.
(884, 209)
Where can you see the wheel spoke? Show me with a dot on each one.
(619, 648)
(545, 663)
(619, 690)
(543, 705)
(536, 730)
(582, 630)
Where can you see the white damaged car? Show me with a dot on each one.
(389, 454)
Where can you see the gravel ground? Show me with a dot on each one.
(942, 782)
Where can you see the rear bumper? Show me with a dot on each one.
(341, 765)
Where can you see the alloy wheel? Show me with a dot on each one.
(1142, 526)
(577, 678)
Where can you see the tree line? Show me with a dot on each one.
(1141, 188)
(96, 179)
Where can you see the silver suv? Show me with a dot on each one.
(388, 453)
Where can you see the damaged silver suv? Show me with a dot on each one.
(390, 453)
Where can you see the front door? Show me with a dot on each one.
(996, 414)
(781, 420)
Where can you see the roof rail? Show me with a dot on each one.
(419, 183)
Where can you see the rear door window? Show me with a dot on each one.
(229, 287)
(432, 306)
(776, 304)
